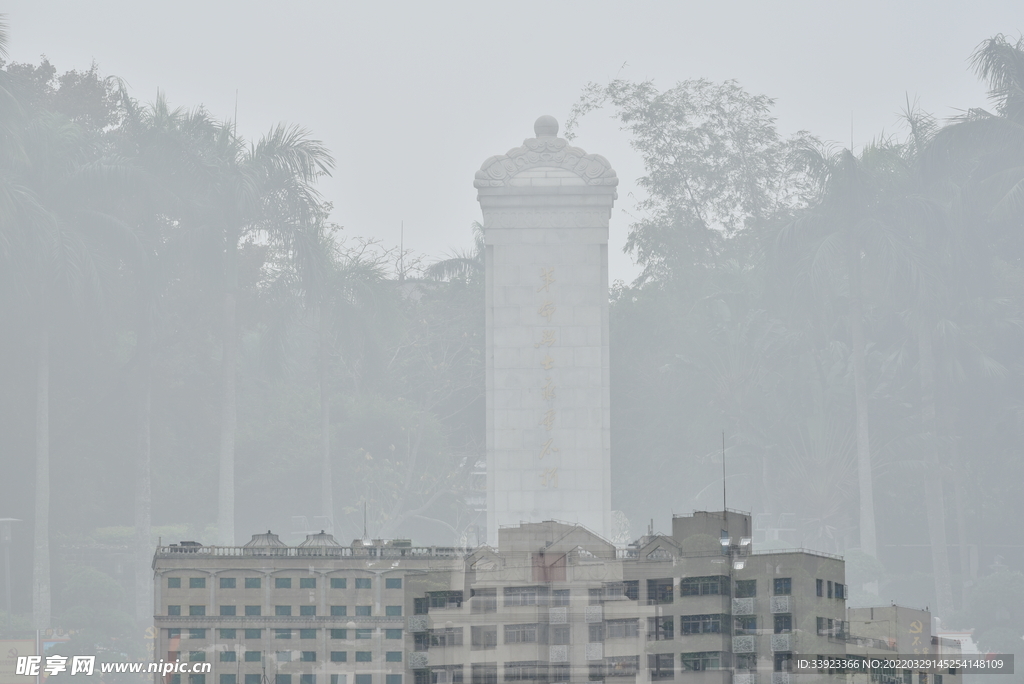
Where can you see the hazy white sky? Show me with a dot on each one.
(411, 97)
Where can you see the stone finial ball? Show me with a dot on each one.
(546, 127)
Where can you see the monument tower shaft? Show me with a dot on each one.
(546, 208)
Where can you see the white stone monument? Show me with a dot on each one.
(546, 207)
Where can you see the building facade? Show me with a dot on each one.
(552, 602)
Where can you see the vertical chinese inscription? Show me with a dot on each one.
(548, 339)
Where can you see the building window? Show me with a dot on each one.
(339, 634)
(228, 656)
(485, 637)
(253, 610)
(253, 633)
(485, 673)
(392, 634)
(283, 656)
(283, 679)
(819, 587)
(783, 662)
(307, 679)
(173, 656)
(282, 634)
(521, 634)
(339, 583)
(339, 679)
(841, 593)
(701, 624)
(826, 626)
(197, 610)
(252, 582)
(174, 633)
(308, 657)
(393, 583)
(420, 606)
(363, 611)
(197, 679)
(176, 679)
(525, 670)
(595, 632)
(393, 678)
(830, 589)
(560, 635)
(745, 624)
(695, 662)
(174, 583)
(196, 582)
(227, 610)
(525, 596)
(364, 634)
(484, 601)
(560, 597)
(252, 679)
(713, 585)
(364, 656)
(660, 628)
(282, 610)
(659, 591)
(197, 633)
(621, 666)
(783, 586)
(445, 599)
(227, 679)
(339, 610)
(227, 582)
(622, 629)
(661, 665)
(282, 582)
(746, 661)
(783, 624)
(363, 583)
(174, 610)
(307, 610)
(253, 656)
(394, 611)
(594, 596)
(197, 656)
(596, 672)
(339, 656)
(746, 588)
(451, 636)
(307, 583)
(364, 679)
(393, 656)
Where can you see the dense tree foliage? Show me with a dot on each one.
(188, 341)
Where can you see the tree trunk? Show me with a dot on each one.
(41, 555)
(934, 501)
(868, 543)
(226, 484)
(143, 482)
(326, 483)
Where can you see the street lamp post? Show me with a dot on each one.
(5, 540)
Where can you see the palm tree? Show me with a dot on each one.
(262, 191)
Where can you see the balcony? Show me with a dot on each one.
(593, 614)
(558, 654)
(744, 644)
(782, 678)
(560, 616)
(781, 604)
(595, 651)
(743, 606)
(782, 643)
(744, 678)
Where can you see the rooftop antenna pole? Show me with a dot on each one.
(724, 507)
(234, 126)
(364, 520)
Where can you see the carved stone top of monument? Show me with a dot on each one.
(547, 151)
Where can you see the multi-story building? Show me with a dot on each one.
(553, 602)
